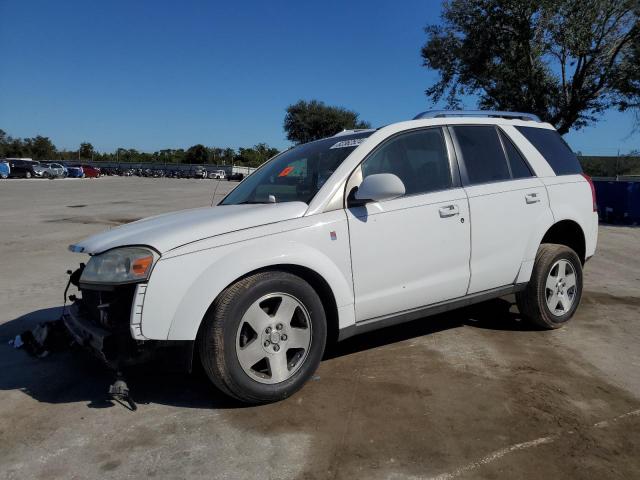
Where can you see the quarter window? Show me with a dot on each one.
(482, 154)
(519, 167)
(554, 149)
(418, 158)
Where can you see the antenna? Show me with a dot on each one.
(213, 197)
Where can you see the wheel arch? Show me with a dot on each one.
(313, 278)
(568, 233)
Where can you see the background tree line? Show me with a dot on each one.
(42, 148)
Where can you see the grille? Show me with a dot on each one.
(110, 310)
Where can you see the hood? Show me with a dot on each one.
(171, 230)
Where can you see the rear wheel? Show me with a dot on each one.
(263, 338)
(554, 291)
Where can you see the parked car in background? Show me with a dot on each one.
(48, 170)
(199, 172)
(90, 172)
(22, 167)
(5, 170)
(75, 171)
(219, 174)
(235, 176)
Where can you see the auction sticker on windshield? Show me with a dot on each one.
(348, 143)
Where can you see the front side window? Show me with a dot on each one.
(297, 174)
(482, 154)
(417, 158)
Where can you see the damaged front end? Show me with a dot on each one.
(106, 320)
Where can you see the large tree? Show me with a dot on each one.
(564, 60)
(86, 150)
(307, 121)
(196, 154)
(41, 148)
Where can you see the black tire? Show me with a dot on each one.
(27, 175)
(216, 341)
(532, 301)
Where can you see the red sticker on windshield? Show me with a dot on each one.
(286, 172)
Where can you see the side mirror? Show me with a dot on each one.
(376, 188)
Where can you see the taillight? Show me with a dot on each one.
(593, 191)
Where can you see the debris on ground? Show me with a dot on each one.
(16, 342)
(119, 392)
(43, 339)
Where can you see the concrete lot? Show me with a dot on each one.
(469, 394)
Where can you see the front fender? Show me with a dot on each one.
(182, 287)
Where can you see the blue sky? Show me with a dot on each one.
(160, 74)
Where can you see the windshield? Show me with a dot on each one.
(297, 174)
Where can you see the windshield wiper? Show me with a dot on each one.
(272, 199)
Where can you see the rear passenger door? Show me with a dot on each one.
(506, 202)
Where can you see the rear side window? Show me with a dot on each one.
(519, 167)
(554, 149)
(482, 154)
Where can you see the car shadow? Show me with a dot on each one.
(74, 376)
(495, 314)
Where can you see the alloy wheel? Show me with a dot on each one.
(273, 338)
(561, 287)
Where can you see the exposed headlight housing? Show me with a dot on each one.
(120, 265)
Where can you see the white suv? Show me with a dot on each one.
(343, 235)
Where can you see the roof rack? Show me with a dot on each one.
(478, 113)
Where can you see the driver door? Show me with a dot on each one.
(412, 251)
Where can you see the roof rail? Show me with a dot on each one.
(478, 113)
(355, 130)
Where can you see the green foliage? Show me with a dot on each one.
(86, 151)
(308, 121)
(196, 154)
(38, 147)
(255, 156)
(564, 60)
(611, 166)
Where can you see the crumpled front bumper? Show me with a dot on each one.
(105, 325)
(85, 333)
(115, 348)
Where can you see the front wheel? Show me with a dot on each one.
(554, 291)
(264, 337)
(27, 175)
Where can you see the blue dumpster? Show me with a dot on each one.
(618, 201)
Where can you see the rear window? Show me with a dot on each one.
(554, 149)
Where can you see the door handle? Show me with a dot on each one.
(448, 211)
(531, 198)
